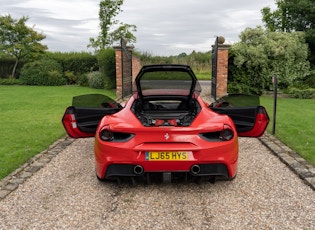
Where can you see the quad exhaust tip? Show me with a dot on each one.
(138, 170)
(195, 169)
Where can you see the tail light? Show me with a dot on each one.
(106, 134)
(227, 133)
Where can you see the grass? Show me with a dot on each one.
(295, 121)
(30, 120)
(179, 76)
(203, 75)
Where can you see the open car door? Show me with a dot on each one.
(250, 119)
(82, 118)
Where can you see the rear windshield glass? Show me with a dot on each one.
(166, 80)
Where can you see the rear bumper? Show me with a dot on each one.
(129, 170)
(123, 161)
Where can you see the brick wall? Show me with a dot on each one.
(118, 72)
(222, 70)
(136, 66)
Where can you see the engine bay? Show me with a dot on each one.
(166, 112)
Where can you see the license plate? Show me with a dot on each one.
(168, 156)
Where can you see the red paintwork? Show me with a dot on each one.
(260, 126)
(208, 149)
(152, 139)
(70, 124)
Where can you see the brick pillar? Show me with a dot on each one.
(118, 71)
(222, 70)
(135, 67)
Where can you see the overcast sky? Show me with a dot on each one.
(164, 27)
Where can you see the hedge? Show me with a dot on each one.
(42, 72)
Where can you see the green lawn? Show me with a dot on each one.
(30, 120)
(295, 121)
(203, 75)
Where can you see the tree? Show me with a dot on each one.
(262, 54)
(19, 41)
(293, 15)
(276, 20)
(290, 15)
(109, 9)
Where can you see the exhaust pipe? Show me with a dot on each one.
(195, 169)
(138, 170)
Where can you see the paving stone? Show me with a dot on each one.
(283, 155)
(294, 154)
(300, 159)
(289, 160)
(4, 181)
(44, 160)
(33, 169)
(4, 193)
(296, 164)
(286, 148)
(311, 182)
(53, 152)
(304, 173)
(18, 180)
(307, 165)
(26, 175)
(11, 187)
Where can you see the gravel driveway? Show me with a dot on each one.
(65, 194)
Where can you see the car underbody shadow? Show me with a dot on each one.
(163, 178)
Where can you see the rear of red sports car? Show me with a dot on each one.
(165, 131)
(125, 146)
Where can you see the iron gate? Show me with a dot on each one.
(214, 69)
(126, 68)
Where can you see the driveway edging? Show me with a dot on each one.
(294, 161)
(20, 175)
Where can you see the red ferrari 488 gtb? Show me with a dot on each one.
(165, 131)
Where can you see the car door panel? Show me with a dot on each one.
(83, 122)
(249, 121)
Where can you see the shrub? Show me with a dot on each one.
(307, 81)
(107, 64)
(78, 63)
(302, 94)
(55, 78)
(96, 80)
(10, 81)
(310, 80)
(242, 81)
(42, 72)
(241, 88)
(71, 77)
(7, 65)
(83, 79)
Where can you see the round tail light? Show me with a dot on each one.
(227, 133)
(105, 134)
